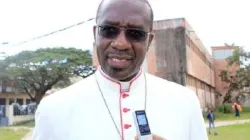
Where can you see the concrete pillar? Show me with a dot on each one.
(7, 101)
(24, 101)
(10, 114)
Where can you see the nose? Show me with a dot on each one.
(121, 42)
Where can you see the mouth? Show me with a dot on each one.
(119, 62)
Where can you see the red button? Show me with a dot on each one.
(124, 95)
(125, 110)
(127, 126)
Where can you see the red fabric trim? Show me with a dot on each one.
(120, 104)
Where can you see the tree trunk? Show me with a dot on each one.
(39, 97)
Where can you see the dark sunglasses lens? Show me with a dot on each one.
(136, 35)
(108, 31)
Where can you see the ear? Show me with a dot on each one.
(150, 39)
(94, 32)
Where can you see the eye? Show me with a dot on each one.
(136, 34)
(109, 31)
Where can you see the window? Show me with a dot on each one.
(2, 101)
(28, 101)
(222, 54)
(19, 101)
(11, 101)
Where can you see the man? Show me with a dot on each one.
(211, 118)
(100, 107)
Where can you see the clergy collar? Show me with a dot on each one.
(124, 86)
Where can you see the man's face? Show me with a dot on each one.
(121, 52)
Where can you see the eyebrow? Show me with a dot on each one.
(130, 25)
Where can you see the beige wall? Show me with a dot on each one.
(22, 118)
(15, 119)
(197, 68)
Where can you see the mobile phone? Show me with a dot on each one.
(142, 126)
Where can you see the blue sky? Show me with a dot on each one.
(215, 21)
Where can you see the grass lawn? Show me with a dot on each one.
(9, 134)
(233, 132)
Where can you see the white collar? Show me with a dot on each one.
(124, 86)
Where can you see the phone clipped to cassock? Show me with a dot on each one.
(142, 126)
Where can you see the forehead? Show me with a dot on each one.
(127, 13)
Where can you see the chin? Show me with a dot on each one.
(118, 74)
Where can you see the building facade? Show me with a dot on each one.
(180, 56)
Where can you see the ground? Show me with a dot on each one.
(12, 134)
(232, 132)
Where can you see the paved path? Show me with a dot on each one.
(18, 127)
(225, 123)
(28, 136)
(217, 124)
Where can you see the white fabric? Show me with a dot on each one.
(78, 112)
(48, 92)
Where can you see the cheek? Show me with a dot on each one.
(140, 52)
(102, 45)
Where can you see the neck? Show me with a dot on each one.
(130, 78)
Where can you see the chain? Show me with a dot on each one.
(110, 114)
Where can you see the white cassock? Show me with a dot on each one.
(78, 112)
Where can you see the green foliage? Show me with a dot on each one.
(224, 108)
(239, 78)
(37, 71)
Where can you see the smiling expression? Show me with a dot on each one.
(122, 37)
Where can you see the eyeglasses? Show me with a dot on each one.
(132, 34)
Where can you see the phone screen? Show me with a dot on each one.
(143, 123)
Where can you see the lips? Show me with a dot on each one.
(119, 61)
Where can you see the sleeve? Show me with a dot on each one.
(197, 127)
(43, 128)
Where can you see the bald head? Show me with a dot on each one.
(140, 4)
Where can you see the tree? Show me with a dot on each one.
(38, 71)
(236, 79)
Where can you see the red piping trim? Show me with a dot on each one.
(120, 105)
